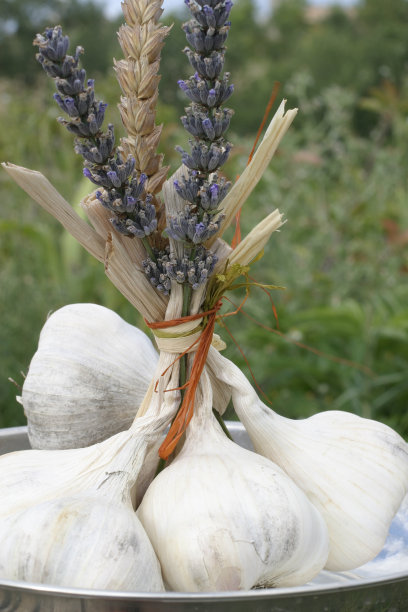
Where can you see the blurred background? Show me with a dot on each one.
(339, 177)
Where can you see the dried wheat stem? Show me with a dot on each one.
(256, 240)
(252, 174)
(141, 40)
(121, 256)
(123, 267)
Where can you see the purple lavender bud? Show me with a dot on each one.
(61, 48)
(214, 191)
(228, 93)
(113, 177)
(100, 115)
(222, 13)
(200, 230)
(77, 83)
(183, 85)
(71, 108)
(59, 101)
(207, 67)
(208, 128)
(85, 102)
(211, 98)
(210, 16)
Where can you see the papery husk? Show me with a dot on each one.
(121, 255)
(252, 174)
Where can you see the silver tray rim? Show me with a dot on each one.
(191, 597)
(175, 596)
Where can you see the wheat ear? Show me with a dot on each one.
(141, 40)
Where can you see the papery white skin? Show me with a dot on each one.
(50, 500)
(85, 541)
(86, 491)
(354, 470)
(30, 477)
(87, 378)
(223, 518)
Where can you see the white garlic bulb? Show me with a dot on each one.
(87, 378)
(354, 470)
(83, 542)
(31, 477)
(70, 520)
(223, 518)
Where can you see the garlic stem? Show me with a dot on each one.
(221, 423)
(252, 174)
(148, 248)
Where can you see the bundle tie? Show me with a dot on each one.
(185, 339)
(202, 343)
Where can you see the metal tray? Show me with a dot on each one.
(378, 586)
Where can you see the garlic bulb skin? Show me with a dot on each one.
(31, 477)
(354, 470)
(68, 516)
(90, 543)
(223, 518)
(87, 378)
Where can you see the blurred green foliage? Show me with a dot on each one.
(339, 177)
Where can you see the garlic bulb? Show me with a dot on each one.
(67, 517)
(31, 477)
(354, 470)
(83, 542)
(87, 378)
(223, 518)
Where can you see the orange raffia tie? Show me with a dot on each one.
(186, 410)
(237, 235)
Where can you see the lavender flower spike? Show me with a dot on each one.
(122, 192)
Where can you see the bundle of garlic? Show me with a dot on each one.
(217, 517)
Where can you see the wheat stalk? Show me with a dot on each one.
(141, 40)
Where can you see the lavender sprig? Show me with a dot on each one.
(123, 191)
(207, 123)
(190, 272)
